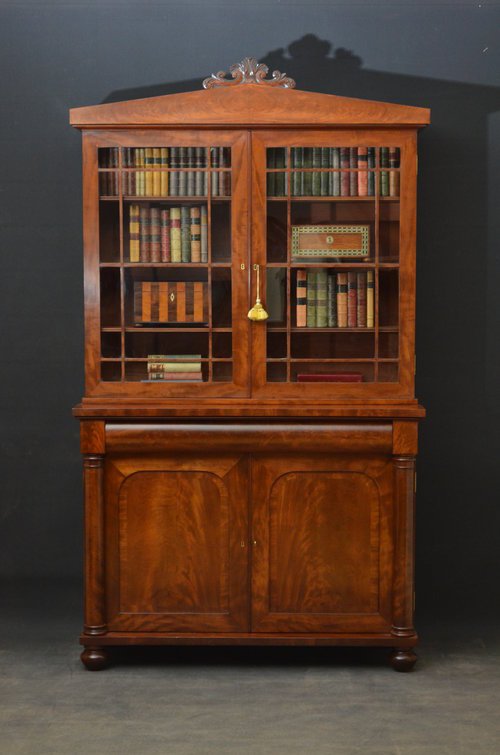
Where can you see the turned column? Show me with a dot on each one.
(404, 450)
(93, 448)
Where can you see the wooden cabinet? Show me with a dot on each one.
(249, 425)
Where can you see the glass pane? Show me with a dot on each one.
(333, 264)
(166, 294)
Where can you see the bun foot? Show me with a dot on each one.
(403, 659)
(94, 659)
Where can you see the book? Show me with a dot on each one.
(144, 241)
(330, 377)
(165, 235)
(311, 298)
(204, 233)
(332, 301)
(393, 174)
(177, 377)
(175, 234)
(370, 295)
(156, 174)
(174, 174)
(342, 300)
(353, 177)
(316, 177)
(371, 175)
(344, 174)
(335, 176)
(307, 177)
(148, 163)
(297, 161)
(185, 234)
(190, 186)
(352, 300)
(325, 163)
(164, 174)
(321, 299)
(363, 173)
(199, 176)
(174, 366)
(140, 176)
(155, 234)
(361, 303)
(214, 160)
(301, 297)
(195, 230)
(134, 239)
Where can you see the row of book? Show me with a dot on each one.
(174, 368)
(351, 175)
(150, 181)
(335, 300)
(168, 234)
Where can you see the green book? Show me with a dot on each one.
(384, 175)
(316, 177)
(185, 235)
(332, 300)
(297, 162)
(321, 299)
(371, 175)
(311, 298)
(307, 177)
(325, 163)
(336, 175)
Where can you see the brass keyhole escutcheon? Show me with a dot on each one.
(257, 312)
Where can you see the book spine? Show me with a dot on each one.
(174, 366)
(370, 297)
(363, 173)
(352, 300)
(325, 163)
(371, 175)
(191, 156)
(164, 174)
(332, 300)
(139, 175)
(316, 177)
(301, 293)
(336, 174)
(344, 174)
(353, 177)
(175, 234)
(204, 233)
(361, 290)
(134, 240)
(149, 163)
(297, 162)
(214, 159)
(321, 299)
(155, 234)
(311, 299)
(165, 235)
(393, 174)
(271, 177)
(195, 218)
(182, 173)
(384, 175)
(185, 235)
(175, 376)
(156, 174)
(174, 174)
(144, 234)
(307, 177)
(198, 178)
(342, 300)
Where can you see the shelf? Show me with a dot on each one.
(165, 264)
(130, 360)
(339, 265)
(295, 329)
(167, 329)
(128, 198)
(338, 360)
(322, 198)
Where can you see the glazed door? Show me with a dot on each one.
(333, 232)
(166, 246)
(322, 545)
(176, 550)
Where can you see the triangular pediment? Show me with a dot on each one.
(248, 105)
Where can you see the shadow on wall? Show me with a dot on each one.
(458, 377)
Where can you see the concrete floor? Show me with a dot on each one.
(244, 701)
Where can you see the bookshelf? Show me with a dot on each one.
(249, 400)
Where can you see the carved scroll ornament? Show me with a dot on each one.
(249, 71)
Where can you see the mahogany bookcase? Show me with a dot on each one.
(268, 498)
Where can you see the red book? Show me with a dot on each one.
(155, 235)
(363, 174)
(331, 377)
(352, 300)
(361, 300)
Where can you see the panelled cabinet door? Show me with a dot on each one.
(176, 550)
(333, 230)
(322, 549)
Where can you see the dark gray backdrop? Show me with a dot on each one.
(56, 55)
